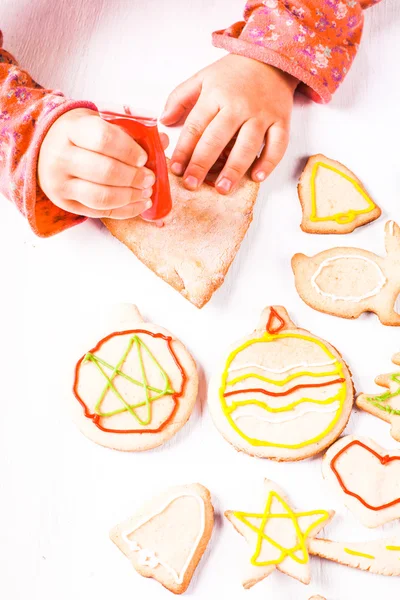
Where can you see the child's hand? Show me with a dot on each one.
(235, 95)
(93, 168)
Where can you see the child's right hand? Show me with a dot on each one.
(93, 168)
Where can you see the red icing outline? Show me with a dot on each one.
(293, 389)
(384, 460)
(274, 315)
(96, 418)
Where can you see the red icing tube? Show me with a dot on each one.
(144, 131)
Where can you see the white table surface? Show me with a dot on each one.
(59, 492)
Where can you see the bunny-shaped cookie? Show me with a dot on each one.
(347, 282)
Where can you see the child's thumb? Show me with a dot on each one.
(181, 101)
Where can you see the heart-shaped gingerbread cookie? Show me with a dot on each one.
(367, 478)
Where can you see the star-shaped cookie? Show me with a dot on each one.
(278, 536)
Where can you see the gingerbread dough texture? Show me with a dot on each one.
(379, 556)
(198, 241)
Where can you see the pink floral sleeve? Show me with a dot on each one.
(27, 112)
(313, 40)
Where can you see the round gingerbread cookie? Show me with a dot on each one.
(281, 392)
(134, 388)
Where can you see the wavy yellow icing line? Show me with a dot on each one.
(235, 404)
(227, 410)
(342, 217)
(280, 382)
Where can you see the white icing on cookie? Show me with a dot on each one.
(147, 557)
(251, 411)
(284, 370)
(381, 279)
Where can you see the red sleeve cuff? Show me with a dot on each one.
(311, 86)
(44, 217)
(313, 42)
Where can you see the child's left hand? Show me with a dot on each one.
(235, 95)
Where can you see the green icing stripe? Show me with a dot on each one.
(140, 346)
(124, 375)
(378, 401)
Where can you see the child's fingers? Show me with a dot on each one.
(247, 146)
(98, 168)
(275, 147)
(95, 134)
(215, 138)
(103, 197)
(126, 212)
(181, 101)
(200, 117)
(164, 140)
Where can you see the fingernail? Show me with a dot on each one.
(261, 176)
(142, 160)
(148, 205)
(147, 192)
(191, 182)
(177, 168)
(148, 181)
(224, 184)
(163, 114)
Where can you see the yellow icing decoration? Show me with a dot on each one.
(361, 554)
(395, 548)
(280, 409)
(280, 382)
(340, 218)
(287, 513)
(265, 338)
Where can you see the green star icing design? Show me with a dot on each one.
(151, 393)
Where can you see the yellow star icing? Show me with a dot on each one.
(287, 513)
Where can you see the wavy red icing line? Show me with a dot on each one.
(384, 460)
(289, 391)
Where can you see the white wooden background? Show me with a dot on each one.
(59, 492)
